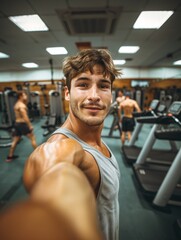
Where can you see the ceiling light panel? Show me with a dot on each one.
(3, 55)
(29, 23)
(152, 19)
(128, 49)
(177, 62)
(56, 50)
(119, 62)
(30, 65)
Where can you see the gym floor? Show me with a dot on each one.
(139, 220)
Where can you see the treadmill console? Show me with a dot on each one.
(175, 108)
(161, 108)
(154, 104)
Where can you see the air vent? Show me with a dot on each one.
(92, 21)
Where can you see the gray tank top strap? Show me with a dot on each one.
(68, 133)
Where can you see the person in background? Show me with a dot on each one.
(22, 125)
(126, 109)
(89, 78)
(62, 205)
(120, 97)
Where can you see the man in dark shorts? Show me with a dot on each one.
(22, 125)
(127, 107)
(128, 124)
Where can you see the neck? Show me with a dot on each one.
(20, 100)
(89, 134)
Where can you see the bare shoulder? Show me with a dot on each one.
(68, 149)
(56, 150)
(135, 103)
(20, 106)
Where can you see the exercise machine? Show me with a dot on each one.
(172, 179)
(56, 115)
(35, 103)
(8, 100)
(29, 104)
(131, 150)
(159, 156)
(151, 175)
(56, 104)
(138, 96)
(115, 125)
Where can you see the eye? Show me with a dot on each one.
(83, 85)
(105, 86)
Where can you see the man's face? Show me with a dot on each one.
(120, 94)
(90, 96)
(24, 97)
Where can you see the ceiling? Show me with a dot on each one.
(158, 48)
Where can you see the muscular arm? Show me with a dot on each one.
(120, 112)
(137, 107)
(62, 205)
(47, 155)
(68, 191)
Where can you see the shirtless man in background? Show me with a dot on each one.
(115, 108)
(127, 107)
(22, 125)
(120, 97)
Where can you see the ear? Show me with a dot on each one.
(67, 94)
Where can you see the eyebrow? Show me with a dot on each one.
(83, 78)
(106, 81)
(88, 79)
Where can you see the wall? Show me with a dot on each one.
(36, 86)
(134, 73)
(158, 78)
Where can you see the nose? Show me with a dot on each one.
(93, 94)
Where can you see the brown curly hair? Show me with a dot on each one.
(85, 60)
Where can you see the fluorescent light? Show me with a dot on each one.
(3, 55)
(119, 62)
(30, 65)
(128, 49)
(177, 62)
(152, 19)
(56, 50)
(29, 23)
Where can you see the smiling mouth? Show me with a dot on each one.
(91, 108)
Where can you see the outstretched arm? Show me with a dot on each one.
(69, 191)
(61, 206)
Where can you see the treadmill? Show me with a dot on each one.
(172, 180)
(161, 156)
(150, 176)
(130, 150)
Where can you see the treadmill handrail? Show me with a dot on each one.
(164, 119)
(144, 114)
(173, 134)
(150, 112)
